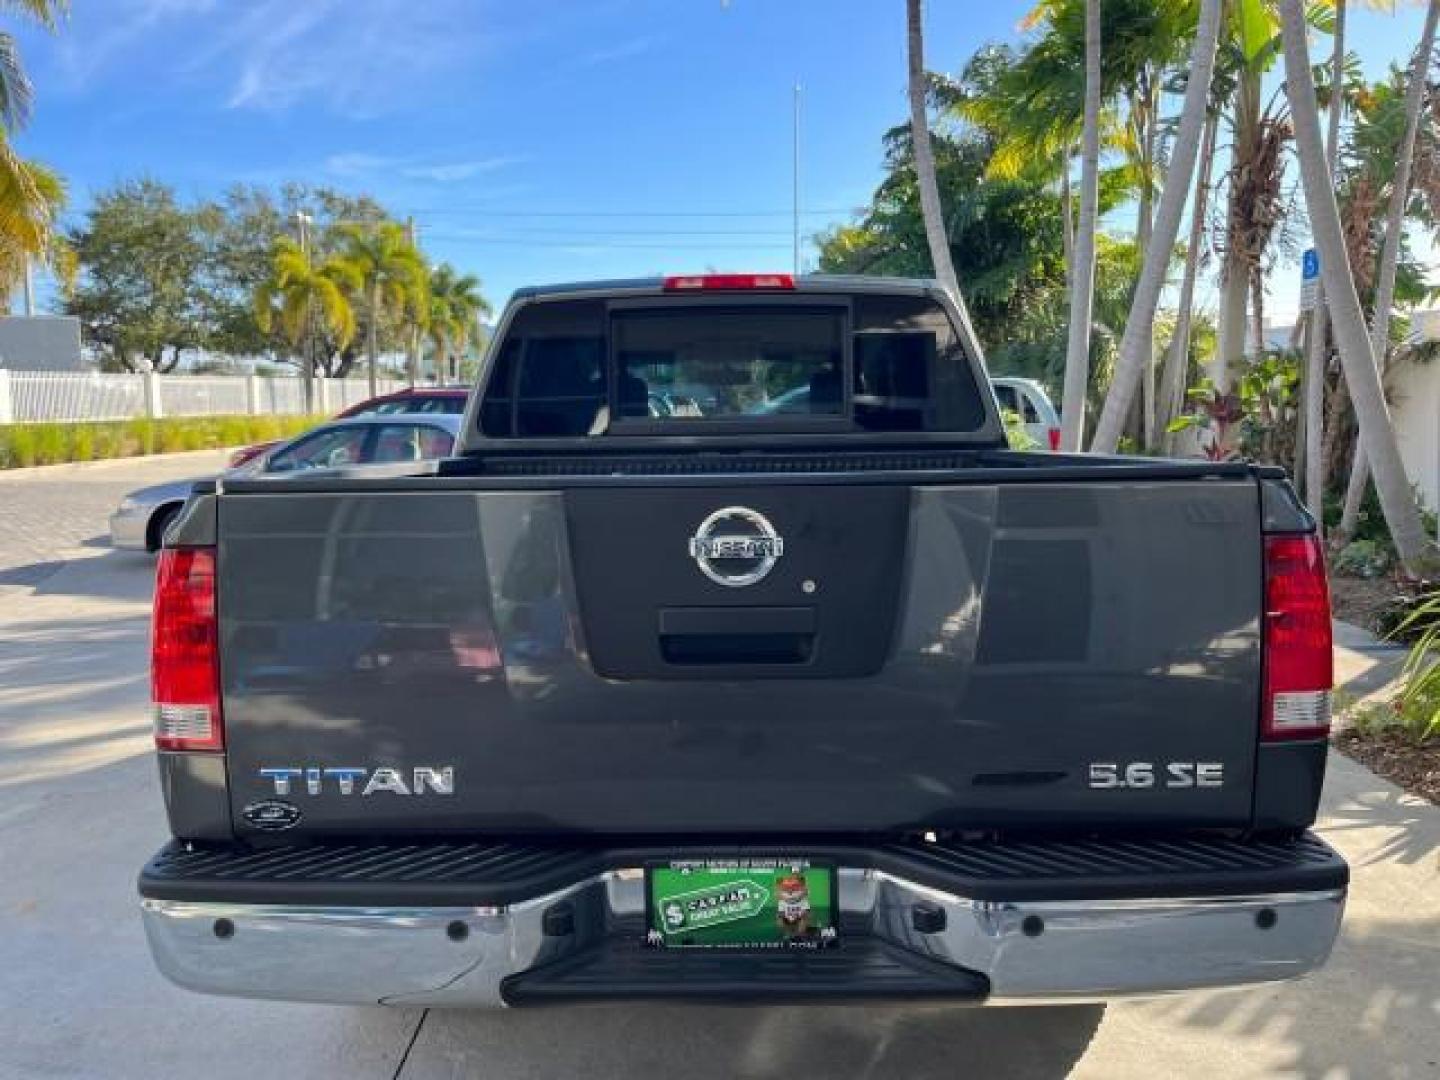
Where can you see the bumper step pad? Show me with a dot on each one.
(862, 969)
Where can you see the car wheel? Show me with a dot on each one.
(159, 522)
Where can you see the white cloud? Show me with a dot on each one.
(625, 50)
(356, 163)
(451, 171)
(358, 57)
(125, 23)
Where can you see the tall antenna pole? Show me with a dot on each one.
(795, 176)
(414, 234)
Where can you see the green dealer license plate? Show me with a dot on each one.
(741, 904)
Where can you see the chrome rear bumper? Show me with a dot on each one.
(463, 956)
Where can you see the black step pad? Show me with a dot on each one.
(858, 969)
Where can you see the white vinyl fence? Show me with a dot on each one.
(33, 396)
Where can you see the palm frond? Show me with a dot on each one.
(17, 95)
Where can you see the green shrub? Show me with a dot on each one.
(1415, 715)
(1370, 522)
(22, 446)
(1364, 559)
(82, 443)
(51, 444)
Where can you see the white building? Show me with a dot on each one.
(1415, 410)
(40, 343)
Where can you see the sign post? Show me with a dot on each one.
(1309, 279)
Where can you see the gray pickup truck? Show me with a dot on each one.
(735, 657)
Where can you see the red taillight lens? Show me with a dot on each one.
(700, 282)
(184, 652)
(1054, 434)
(1299, 664)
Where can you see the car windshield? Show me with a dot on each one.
(327, 449)
(362, 444)
(448, 404)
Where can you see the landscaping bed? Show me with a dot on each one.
(1362, 602)
(24, 445)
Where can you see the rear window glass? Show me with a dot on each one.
(877, 363)
(728, 364)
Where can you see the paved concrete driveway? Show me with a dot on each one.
(79, 813)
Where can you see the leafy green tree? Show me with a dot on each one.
(1004, 234)
(140, 256)
(242, 231)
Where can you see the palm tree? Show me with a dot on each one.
(31, 195)
(1082, 272)
(1315, 352)
(1136, 344)
(456, 306)
(935, 235)
(1037, 107)
(392, 278)
(1390, 255)
(304, 298)
(1356, 353)
(1174, 378)
(1255, 196)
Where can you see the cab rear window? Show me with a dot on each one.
(865, 363)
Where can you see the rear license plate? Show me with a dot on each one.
(741, 903)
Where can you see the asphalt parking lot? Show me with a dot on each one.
(79, 813)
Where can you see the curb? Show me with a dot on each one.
(104, 463)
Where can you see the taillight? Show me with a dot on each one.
(184, 652)
(1299, 664)
(1054, 434)
(700, 282)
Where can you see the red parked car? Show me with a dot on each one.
(435, 399)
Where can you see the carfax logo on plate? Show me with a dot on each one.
(720, 903)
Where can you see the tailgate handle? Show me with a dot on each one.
(737, 635)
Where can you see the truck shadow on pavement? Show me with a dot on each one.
(74, 669)
(699, 1042)
(1370, 1013)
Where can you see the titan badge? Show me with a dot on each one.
(317, 780)
(736, 546)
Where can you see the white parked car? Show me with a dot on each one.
(139, 523)
(1029, 401)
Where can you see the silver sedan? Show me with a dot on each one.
(139, 523)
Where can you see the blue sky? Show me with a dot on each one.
(538, 141)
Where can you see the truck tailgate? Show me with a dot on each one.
(948, 655)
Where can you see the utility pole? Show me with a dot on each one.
(795, 186)
(302, 222)
(414, 233)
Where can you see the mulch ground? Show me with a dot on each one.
(1398, 758)
(1361, 601)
